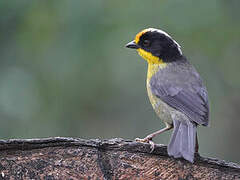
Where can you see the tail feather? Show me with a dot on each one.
(183, 140)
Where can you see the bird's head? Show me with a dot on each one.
(156, 46)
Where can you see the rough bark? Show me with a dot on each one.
(73, 158)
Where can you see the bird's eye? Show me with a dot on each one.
(146, 43)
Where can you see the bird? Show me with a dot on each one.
(175, 90)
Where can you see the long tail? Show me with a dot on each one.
(183, 140)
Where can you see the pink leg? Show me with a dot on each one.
(148, 138)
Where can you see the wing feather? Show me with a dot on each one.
(189, 96)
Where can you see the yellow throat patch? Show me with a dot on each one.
(151, 59)
(154, 62)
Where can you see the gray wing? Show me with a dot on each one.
(184, 92)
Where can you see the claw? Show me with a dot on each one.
(147, 140)
(142, 140)
(152, 146)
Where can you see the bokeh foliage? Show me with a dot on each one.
(64, 70)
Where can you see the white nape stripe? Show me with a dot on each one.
(166, 34)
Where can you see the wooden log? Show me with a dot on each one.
(74, 158)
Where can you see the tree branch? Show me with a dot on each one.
(74, 158)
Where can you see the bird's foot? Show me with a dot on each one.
(147, 140)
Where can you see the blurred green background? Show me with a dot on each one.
(64, 70)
